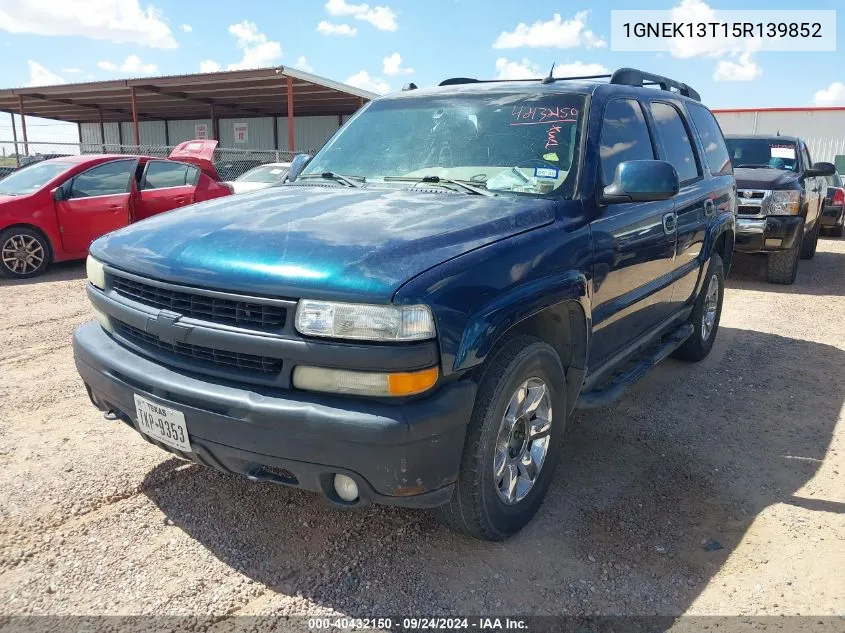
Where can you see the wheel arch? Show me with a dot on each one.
(51, 250)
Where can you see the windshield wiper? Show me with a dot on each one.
(330, 175)
(475, 188)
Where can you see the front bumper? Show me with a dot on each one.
(763, 235)
(832, 216)
(404, 454)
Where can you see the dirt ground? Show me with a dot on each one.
(714, 488)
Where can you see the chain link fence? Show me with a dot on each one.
(230, 163)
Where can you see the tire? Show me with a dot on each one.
(698, 346)
(808, 246)
(782, 266)
(17, 243)
(478, 506)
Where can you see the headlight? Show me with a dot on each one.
(785, 203)
(96, 272)
(364, 322)
(364, 383)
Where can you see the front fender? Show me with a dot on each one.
(491, 322)
(723, 224)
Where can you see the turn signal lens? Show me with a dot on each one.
(364, 383)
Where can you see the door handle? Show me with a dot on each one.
(670, 223)
(709, 207)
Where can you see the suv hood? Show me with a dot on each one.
(323, 242)
(765, 178)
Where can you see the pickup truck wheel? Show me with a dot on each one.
(24, 253)
(808, 246)
(782, 266)
(705, 314)
(513, 441)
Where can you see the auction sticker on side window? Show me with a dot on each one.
(162, 423)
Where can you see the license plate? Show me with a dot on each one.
(162, 423)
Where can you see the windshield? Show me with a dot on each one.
(763, 153)
(31, 179)
(265, 173)
(503, 142)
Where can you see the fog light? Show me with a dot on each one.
(345, 487)
(774, 243)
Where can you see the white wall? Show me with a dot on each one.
(309, 132)
(822, 130)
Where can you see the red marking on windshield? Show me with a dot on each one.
(552, 138)
(525, 115)
(547, 122)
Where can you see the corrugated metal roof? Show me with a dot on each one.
(248, 93)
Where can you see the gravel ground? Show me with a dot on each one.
(714, 488)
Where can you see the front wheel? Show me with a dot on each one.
(513, 441)
(705, 314)
(24, 253)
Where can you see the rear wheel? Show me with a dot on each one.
(837, 231)
(24, 253)
(513, 441)
(705, 314)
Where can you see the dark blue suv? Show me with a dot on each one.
(411, 319)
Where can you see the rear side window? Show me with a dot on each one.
(107, 179)
(676, 142)
(715, 151)
(624, 136)
(161, 174)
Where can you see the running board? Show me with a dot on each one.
(635, 369)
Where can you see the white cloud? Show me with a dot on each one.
(119, 21)
(381, 17)
(258, 50)
(209, 66)
(328, 28)
(303, 64)
(131, 64)
(526, 69)
(363, 80)
(555, 33)
(745, 69)
(579, 69)
(40, 76)
(834, 94)
(393, 65)
(187, 28)
(506, 69)
(71, 70)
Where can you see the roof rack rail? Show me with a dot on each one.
(634, 77)
(623, 76)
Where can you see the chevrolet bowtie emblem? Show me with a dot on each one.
(166, 327)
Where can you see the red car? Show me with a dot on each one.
(51, 211)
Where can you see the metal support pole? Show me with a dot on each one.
(15, 139)
(23, 125)
(135, 117)
(360, 102)
(103, 132)
(213, 126)
(291, 146)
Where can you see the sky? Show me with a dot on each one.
(380, 47)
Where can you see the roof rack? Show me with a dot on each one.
(623, 76)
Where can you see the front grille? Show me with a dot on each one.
(243, 314)
(752, 195)
(145, 340)
(744, 209)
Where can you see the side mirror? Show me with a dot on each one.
(821, 169)
(59, 193)
(297, 165)
(641, 181)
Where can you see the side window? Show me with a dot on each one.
(676, 143)
(103, 180)
(161, 174)
(624, 136)
(715, 151)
